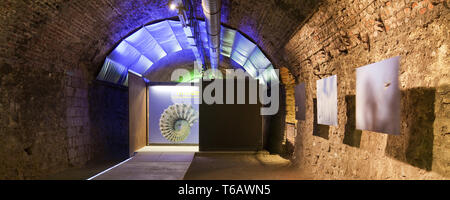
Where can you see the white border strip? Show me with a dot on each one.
(135, 73)
(109, 169)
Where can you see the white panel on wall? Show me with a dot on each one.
(378, 97)
(327, 101)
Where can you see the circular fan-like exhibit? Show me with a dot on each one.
(176, 122)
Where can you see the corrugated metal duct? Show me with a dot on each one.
(211, 9)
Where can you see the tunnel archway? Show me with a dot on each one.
(163, 44)
(145, 47)
(56, 115)
(50, 59)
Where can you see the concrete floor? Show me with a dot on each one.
(153, 163)
(176, 163)
(82, 173)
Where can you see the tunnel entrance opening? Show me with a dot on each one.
(146, 60)
(173, 114)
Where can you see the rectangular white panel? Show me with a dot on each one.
(327, 101)
(378, 97)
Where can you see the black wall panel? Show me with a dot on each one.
(230, 127)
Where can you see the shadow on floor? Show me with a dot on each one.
(415, 143)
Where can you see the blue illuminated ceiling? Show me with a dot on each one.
(141, 50)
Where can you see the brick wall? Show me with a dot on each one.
(344, 35)
(50, 52)
(32, 122)
(288, 80)
(77, 118)
(270, 23)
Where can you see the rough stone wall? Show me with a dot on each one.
(77, 118)
(288, 80)
(109, 119)
(32, 121)
(344, 35)
(50, 51)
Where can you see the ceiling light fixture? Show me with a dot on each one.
(173, 6)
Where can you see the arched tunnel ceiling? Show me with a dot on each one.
(142, 49)
(80, 34)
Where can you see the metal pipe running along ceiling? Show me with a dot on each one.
(211, 10)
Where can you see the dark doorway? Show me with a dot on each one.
(230, 127)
